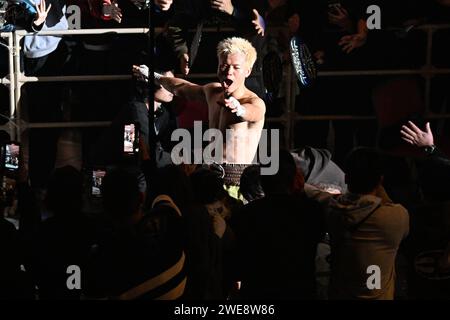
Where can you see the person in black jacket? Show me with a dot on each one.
(109, 148)
(429, 220)
(13, 281)
(277, 237)
(143, 257)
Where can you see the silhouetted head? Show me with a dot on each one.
(173, 181)
(64, 191)
(363, 170)
(206, 186)
(286, 179)
(122, 198)
(250, 184)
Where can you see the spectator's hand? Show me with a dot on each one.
(184, 64)
(340, 18)
(294, 23)
(42, 12)
(219, 225)
(164, 5)
(258, 22)
(351, 42)
(140, 72)
(112, 11)
(413, 135)
(223, 5)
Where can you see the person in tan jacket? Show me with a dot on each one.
(366, 229)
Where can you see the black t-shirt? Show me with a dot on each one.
(277, 237)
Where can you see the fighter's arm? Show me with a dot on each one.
(252, 110)
(182, 88)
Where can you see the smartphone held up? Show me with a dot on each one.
(11, 158)
(131, 139)
(97, 179)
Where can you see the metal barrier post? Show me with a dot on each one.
(9, 81)
(12, 86)
(17, 85)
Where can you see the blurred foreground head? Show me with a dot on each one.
(363, 170)
(64, 191)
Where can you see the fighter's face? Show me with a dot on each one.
(162, 95)
(232, 71)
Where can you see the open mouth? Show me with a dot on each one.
(226, 83)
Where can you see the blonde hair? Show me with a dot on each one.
(237, 45)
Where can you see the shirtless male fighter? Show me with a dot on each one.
(232, 108)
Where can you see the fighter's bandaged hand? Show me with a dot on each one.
(157, 77)
(234, 106)
(141, 72)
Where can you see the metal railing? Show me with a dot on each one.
(291, 117)
(17, 79)
(10, 82)
(427, 71)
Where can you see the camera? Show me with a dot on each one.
(10, 164)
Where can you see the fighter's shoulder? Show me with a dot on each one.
(213, 86)
(253, 98)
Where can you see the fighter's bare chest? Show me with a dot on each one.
(220, 117)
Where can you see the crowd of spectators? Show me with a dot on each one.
(173, 232)
(177, 234)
